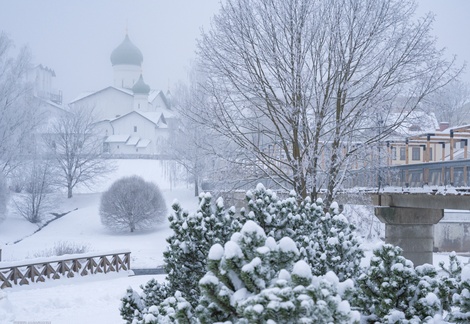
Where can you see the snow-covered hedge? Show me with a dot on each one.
(287, 261)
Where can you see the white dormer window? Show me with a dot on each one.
(135, 129)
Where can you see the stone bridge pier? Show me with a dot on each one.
(409, 220)
(412, 229)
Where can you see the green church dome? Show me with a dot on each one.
(126, 53)
(141, 87)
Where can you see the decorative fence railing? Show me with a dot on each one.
(62, 267)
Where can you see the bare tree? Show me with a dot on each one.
(193, 145)
(19, 114)
(299, 85)
(77, 149)
(132, 203)
(34, 202)
(450, 103)
(3, 197)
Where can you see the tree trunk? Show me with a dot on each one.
(196, 187)
(69, 191)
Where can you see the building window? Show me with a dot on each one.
(430, 154)
(135, 129)
(402, 153)
(416, 153)
(394, 153)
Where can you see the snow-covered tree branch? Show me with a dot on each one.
(77, 149)
(299, 85)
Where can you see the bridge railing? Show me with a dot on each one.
(24, 273)
(448, 173)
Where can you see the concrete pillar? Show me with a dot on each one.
(412, 229)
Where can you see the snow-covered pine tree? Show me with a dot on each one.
(328, 242)
(278, 217)
(185, 259)
(154, 292)
(393, 290)
(174, 309)
(132, 306)
(462, 300)
(255, 279)
(450, 281)
(333, 244)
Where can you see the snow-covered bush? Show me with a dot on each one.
(186, 255)
(154, 292)
(327, 242)
(194, 234)
(256, 279)
(462, 299)
(450, 281)
(279, 217)
(393, 290)
(131, 306)
(174, 309)
(63, 247)
(132, 203)
(333, 244)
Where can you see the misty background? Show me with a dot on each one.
(76, 38)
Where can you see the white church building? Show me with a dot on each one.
(132, 118)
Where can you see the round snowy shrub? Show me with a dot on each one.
(131, 203)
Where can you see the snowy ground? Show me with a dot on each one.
(82, 225)
(92, 299)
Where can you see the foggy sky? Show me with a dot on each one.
(76, 37)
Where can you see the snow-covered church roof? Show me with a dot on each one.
(126, 54)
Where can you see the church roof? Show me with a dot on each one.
(126, 54)
(92, 93)
(141, 87)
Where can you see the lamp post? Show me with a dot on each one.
(379, 177)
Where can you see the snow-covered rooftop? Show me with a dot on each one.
(133, 140)
(143, 143)
(117, 138)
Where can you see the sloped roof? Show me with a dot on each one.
(143, 143)
(88, 94)
(418, 122)
(120, 138)
(133, 140)
(155, 118)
